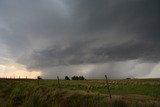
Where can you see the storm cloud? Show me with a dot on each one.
(64, 37)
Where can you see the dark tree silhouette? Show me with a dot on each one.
(78, 78)
(81, 78)
(39, 77)
(75, 78)
(67, 78)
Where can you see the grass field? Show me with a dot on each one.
(86, 93)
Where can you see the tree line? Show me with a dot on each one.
(67, 78)
(75, 78)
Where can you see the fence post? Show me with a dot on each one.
(58, 81)
(38, 81)
(108, 87)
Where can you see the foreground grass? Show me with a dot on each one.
(90, 93)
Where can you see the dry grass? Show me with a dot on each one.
(92, 93)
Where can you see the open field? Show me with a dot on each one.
(86, 93)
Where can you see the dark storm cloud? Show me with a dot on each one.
(135, 16)
(82, 53)
(49, 33)
(138, 18)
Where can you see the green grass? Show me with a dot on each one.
(87, 93)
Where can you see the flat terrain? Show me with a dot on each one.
(79, 93)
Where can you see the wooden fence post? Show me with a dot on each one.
(58, 81)
(38, 81)
(108, 87)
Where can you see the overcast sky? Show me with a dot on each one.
(120, 38)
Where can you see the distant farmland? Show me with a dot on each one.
(85, 93)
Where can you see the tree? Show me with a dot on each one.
(81, 78)
(39, 78)
(67, 78)
(75, 78)
(78, 78)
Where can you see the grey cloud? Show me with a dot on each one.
(42, 34)
(82, 53)
(114, 70)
